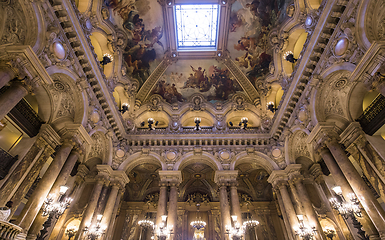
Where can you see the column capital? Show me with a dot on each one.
(49, 135)
(322, 134)
(82, 171)
(170, 178)
(316, 171)
(225, 177)
(277, 178)
(78, 133)
(120, 178)
(104, 173)
(352, 133)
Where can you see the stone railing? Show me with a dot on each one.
(9, 231)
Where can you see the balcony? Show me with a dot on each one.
(8, 231)
(373, 117)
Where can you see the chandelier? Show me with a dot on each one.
(304, 232)
(198, 224)
(146, 223)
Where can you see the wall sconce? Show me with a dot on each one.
(125, 107)
(53, 209)
(348, 209)
(95, 232)
(197, 121)
(107, 58)
(150, 122)
(304, 232)
(289, 56)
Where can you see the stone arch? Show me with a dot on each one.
(371, 24)
(334, 88)
(66, 106)
(298, 146)
(191, 157)
(358, 95)
(257, 158)
(99, 147)
(138, 158)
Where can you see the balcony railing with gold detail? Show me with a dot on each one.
(8, 231)
(373, 117)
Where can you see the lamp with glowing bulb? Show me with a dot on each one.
(71, 232)
(237, 231)
(54, 209)
(304, 232)
(94, 232)
(161, 231)
(197, 121)
(348, 209)
(145, 224)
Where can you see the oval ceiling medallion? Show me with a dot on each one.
(120, 153)
(59, 50)
(171, 155)
(341, 46)
(225, 155)
(276, 153)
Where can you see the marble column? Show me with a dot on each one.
(92, 204)
(38, 196)
(292, 216)
(60, 181)
(339, 178)
(11, 97)
(225, 209)
(112, 225)
(235, 203)
(173, 209)
(110, 205)
(6, 75)
(362, 191)
(29, 166)
(289, 233)
(162, 204)
(308, 207)
(75, 194)
(298, 203)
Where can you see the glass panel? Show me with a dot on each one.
(197, 26)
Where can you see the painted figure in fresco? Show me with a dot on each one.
(256, 18)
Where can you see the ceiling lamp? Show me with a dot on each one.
(198, 223)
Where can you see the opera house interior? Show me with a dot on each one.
(192, 119)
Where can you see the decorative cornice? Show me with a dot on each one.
(225, 177)
(170, 177)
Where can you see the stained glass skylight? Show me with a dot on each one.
(197, 26)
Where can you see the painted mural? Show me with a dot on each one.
(187, 77)
(143, 22)
(250, 24)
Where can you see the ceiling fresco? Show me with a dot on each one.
(248, 42)
(143, 22)
(187, 77)
(250, 22)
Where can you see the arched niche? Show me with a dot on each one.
(72, 224)
(296, 40)
(144, 179)
(99, 42)
(160, 116)
(204, 158)
(92, 162)
(258, 160)
(187, 120)
(197, 177)
(235, 117)
(275, 95)
(83, 5)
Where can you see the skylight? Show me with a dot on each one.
(197, 26)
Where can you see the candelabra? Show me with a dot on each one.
(95, 232)
(107, 58)
(53, 209)
(125, 107)
(330, 233)
(237, 232)
(150, 122)
(70, 232)
(348, 209)
(243, 123)
(271, 107)
(161, 231)
(304, 232)
(197, 121)
(289, 56)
